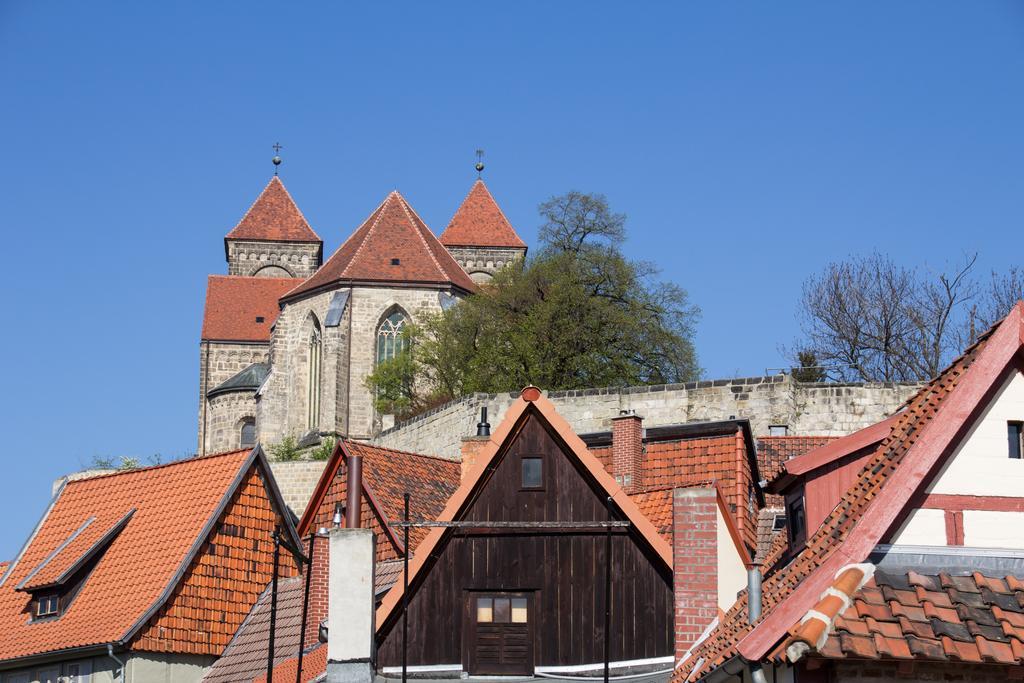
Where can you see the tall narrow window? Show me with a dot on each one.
(1013, 436)
(247, 433)
(390, 341)
(313, 401)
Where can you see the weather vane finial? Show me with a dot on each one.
(277, 157)
(479, 162)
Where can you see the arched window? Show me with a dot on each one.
(247, 433)
(313, 400)
(390, 341)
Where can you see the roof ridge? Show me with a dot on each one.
(397, 450)
(271, 183)
(504, 224)
(149, 468)
(225, 276)
(379, 211)
(416, 222)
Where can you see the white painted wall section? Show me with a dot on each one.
(732, 574)
(984, 529)
(923, 527)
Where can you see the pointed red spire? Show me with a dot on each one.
(479, 222)
(274, 217)
(392, 245)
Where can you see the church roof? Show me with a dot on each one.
(274, 217)
(392, 245)
(242, 308)
(248, 379)
(480, 222)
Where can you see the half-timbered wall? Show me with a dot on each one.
(561, 570)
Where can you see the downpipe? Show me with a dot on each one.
(120, 663)
(754, 600)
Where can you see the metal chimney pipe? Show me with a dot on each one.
(483, 427)
(753, 594)
(353, 492)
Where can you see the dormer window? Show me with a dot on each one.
(47, 605)
(1014, 431)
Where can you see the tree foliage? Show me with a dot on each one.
(577, 314)
(870, 319)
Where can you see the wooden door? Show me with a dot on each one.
(499, 637)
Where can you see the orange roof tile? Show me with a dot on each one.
(242, 308)
(392, 245)
(870, 505)
(773, 451)
(274, 217)
(479, 222)
(173, 505)
(314, 663)
(907, 615)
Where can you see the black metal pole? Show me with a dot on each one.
(405, 591)
(608, 592)
(305, 606)
(273, 608)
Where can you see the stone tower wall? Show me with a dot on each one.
(821, 409)
(299, 259)
(219, 362)
(346, 405)
(224, 420)
(483, 262)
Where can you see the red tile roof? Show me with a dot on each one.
(869, 506)
(314, 664)
(907, 615)
(656, 506)
(387, 475)
(392, 245)
(234, 304)
(479, 222)
(772, 451)
(274, 217)
(173, 506)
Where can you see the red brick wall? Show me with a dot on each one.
(627, 451)
(318, 588)
(695, 563)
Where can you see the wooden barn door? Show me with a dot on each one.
(499, 634)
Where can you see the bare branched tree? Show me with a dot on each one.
(869, 319)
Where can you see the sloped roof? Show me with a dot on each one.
(249, 379)
(314, 667)
(909, 615)
(921, 432)
(173, 505)
(387, 475)
(246, 656)
(773, 451)
(242, 308)
(480, 222)
(392, 245)
(531, 402)
(274, 217)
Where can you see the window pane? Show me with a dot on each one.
(518, 610)
(501, 610)
(533, 473)
(484, 611)
(1013, 430)
(248, 436)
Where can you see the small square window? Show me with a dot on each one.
(260, 318)
(484, 610)
(396, 262)
(1013, 437)
(533, 473)
(779, 522)
(46, 606)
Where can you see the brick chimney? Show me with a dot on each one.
(628, 450)
(319, 587)
(694, 563)
(472, 445)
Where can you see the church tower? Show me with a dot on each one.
(273, 239)
(480, 238)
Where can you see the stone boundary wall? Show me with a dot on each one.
(297, 479)
(805, 409)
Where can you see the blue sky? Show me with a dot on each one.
(749, 144)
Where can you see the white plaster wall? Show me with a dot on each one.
(984, 529)
(923, 527)
(980, 465)
(732, 574)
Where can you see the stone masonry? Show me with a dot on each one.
(219, 362)
(272, 259)
(483, 262)
(821, 409)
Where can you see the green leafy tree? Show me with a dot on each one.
(286, 449)
(578, 314)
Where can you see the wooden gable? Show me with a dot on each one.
(559, 570)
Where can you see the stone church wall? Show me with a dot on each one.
(224, 420)
(483, 262)
(219, 362)
(346, 406)
(821, 409)
(299, 259)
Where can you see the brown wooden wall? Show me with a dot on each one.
(564, 571)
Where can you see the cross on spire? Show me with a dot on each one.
(277, 157)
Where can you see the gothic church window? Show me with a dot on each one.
(390, 341)
(313, 400)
